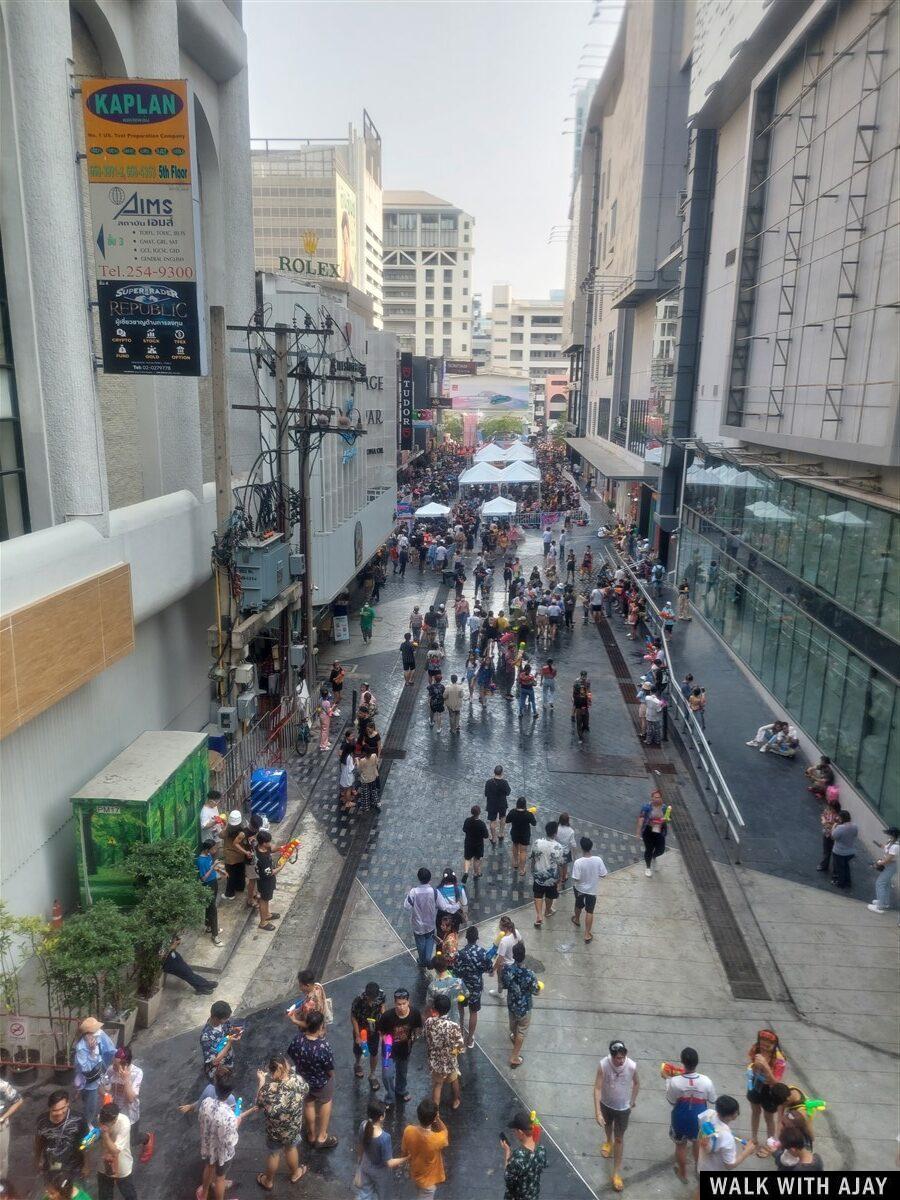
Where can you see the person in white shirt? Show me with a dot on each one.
(504, 957)
(116, 1161)
(718, 1146)
(586, 872)
(211, 819)
(689, 1094)
(616, 1090)
(565, 835)
(546, 859)
(596, 599)
(886, 866)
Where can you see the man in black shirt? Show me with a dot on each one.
(496, 793)
(58, 1135)
(402, 1024)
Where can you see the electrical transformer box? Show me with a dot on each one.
(262, 564)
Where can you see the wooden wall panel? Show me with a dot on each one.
(53, 646)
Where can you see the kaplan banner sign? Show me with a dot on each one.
(145, 212)
(406, 401)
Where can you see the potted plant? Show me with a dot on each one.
(15, 1060)
(39, 937)
(164, 910)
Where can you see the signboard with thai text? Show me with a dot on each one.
(145, 213)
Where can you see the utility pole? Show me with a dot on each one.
(308, 623)
(222, 458)
(284, 482)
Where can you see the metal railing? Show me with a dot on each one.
(683, 718)
(267, 743)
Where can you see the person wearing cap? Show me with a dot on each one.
(886, 866)
(94, 1051)
(402, 1024)
(616, 1090)
(236, 853)
(365, 1013)
(523, 1163)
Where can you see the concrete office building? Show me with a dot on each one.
(786, 379)
(526, 338)
(428, 250)
(481, 334)
(317, 209)
(623, 255)
(353, 488)
(108, 505)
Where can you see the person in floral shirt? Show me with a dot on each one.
(313, 1057)
(365, 1013)
(521, 984)
(217, 1029)
(443, 1043)
(472, 964)
(280, 1099)
(218, 1139)
(523, 1164)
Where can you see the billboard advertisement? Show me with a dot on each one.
(345, 203)
(488, 393)
(145, 221)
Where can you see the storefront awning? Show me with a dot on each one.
(613, 466)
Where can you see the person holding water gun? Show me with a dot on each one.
(652, 827)
(217, 1038)
(718, 1145)
(473, 962)
(689, 1093)
(366, 1011)
(765, 1068)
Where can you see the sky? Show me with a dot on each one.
(470, 100)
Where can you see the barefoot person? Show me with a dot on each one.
(616, 1090)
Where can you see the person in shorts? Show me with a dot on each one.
(587, 871)
(615, 1095)
(280, 1097)
(218, 1138)
(496, 794)
(444, 1042)
(689, 1094)
(546, 861)
(521, 984)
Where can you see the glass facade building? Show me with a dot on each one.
(803, 584)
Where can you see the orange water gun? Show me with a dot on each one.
(669, 1070)
(288, 851)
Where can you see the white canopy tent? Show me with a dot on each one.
(490, 452)
(500, 506)
(519, 452)
(481, 473)
(765, 510)
(520, 472)
(432, 510)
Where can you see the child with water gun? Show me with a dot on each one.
(717, 1144)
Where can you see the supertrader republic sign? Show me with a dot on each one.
(145, 210)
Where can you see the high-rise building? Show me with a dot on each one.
(428, 252)
(317, 209)
(786, 373)
(526, 338)
(624, 254)
(481, 334)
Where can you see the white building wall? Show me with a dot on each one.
(162, 685)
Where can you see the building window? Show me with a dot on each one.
(610, 351)
(517, 338)
(466, 276)
(448, 293)
(429, 346)
(465, 308)
(612, 220)
(13, 498)
(448, 275)
(429, 326)
(429, 310)
(429, 273)
(448, 310)
(429, 293)
(448, 347)
(465, 324)
(464, 347)
(448, 327)
(515, 355)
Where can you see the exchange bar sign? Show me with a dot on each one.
(145, 210)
